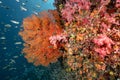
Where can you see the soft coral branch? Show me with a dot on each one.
(72, 6)
(117, 3)
(103, 45)
(62, 38)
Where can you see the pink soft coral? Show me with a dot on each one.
(73, 6)
(68, 12)
(117, 3)
(82, 4)
(62, 38)
(104, 45)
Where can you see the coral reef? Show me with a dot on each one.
(93, 49)
(36, 32)
(87, 34)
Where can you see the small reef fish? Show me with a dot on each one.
(18, 43)
(23, 8)
(4, 48)
(45, 0)
(23, 4)
(18, 0)
(0, 2)
(2, 37)
(15, 56)
(7, 25)
(15, 22)
(38, 6)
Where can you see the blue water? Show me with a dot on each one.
(13, 65)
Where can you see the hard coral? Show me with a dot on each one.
(36, 32)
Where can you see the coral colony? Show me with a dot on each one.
(84, 33)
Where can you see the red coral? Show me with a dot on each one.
(36, 33)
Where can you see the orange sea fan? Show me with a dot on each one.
(36, 32)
